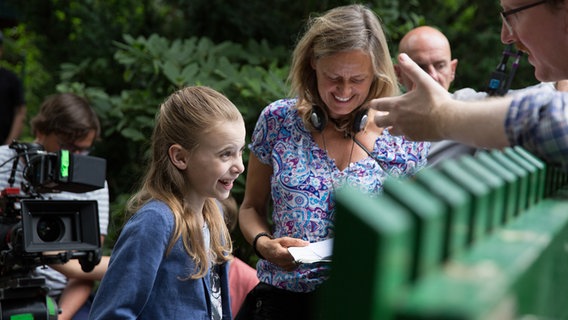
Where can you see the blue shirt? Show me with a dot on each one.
(538, 122)
(304, 178)
(143, 283)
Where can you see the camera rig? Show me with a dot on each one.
(36, 230)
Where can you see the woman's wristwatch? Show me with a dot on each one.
(258, 236)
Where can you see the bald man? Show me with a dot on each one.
(430, 49)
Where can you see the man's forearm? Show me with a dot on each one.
(480, 123)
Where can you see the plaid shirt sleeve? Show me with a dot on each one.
(538, 122)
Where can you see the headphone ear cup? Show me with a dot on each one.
(360, 121)
(317, 118)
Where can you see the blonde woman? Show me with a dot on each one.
(306, 147)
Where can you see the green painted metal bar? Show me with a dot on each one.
(427, 212)
(520, 173)
(541, 168)
(512, 184)
(480, 193)
(553, 180)
(457, 209)
(495, 214)
(533, 174)
(371, 257)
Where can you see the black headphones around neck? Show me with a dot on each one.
(318, 119)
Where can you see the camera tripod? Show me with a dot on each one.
(26, 298)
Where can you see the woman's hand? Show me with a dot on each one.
(276, 250)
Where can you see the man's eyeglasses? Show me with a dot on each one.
(505, 14)
(71, 147)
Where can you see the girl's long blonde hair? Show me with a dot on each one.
(185, 118)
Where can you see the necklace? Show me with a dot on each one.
(348, 167)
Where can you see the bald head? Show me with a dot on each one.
(430, 49)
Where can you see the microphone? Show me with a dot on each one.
(514, 68)
(498, 78)
(499, 81)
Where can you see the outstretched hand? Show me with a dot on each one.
(416, 113)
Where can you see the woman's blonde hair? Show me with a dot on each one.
(346, 28)
(185, 118)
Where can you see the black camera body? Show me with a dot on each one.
(35, 231)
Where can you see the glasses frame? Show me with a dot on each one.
(71, 147)
(505, 14)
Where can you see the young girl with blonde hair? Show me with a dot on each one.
(169, 261)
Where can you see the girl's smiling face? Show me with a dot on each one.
(217, 162)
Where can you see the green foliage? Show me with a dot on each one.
(22, 57)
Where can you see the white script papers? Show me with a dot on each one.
(314, 252)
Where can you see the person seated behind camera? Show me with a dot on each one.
(65, 121)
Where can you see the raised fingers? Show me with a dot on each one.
(418, 76)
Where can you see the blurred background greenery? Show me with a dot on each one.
(126, 56)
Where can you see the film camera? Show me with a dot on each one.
(37, 231)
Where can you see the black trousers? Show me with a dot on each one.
(266, 302)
